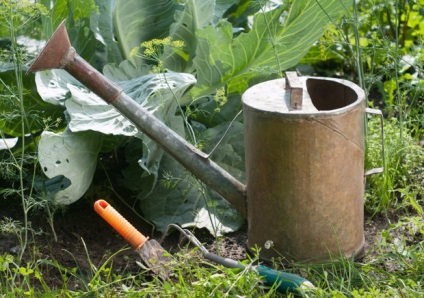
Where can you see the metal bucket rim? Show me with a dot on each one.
(316, 114)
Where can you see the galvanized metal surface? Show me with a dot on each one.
(305, 170)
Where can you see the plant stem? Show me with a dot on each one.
(17, 62)
(358, 52)
(399, 103)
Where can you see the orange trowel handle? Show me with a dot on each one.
(120, 224)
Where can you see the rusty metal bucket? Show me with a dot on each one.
(305, 167)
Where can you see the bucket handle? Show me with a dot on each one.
(377, 170)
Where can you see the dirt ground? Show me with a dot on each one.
(84, 238)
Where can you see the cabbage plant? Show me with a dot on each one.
(224, 48)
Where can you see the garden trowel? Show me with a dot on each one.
(151, 252)
(283, 281)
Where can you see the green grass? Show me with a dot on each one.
(190, 277)
(393, 267)
(400, 186)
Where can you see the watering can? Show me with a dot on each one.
(304, 157)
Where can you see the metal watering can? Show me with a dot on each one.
(304, 157)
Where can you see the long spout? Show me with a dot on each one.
(58, 53)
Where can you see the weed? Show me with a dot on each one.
(398, 261)
(193, 277)
(16, 276)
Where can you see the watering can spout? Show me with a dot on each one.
(58, 53)
(54, 52)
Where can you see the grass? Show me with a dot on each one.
(400, 185)
(191, 277)
(393, 267)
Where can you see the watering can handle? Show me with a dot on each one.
(377, 170)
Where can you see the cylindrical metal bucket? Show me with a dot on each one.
(305, 169)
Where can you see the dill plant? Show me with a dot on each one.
(16, 17)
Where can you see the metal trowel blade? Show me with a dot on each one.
(156, 258)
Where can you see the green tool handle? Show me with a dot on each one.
(286, 282)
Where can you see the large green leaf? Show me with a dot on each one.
(158, 93)
(52, 85)
(72, 155)
(270, 47)
(77, 13)
(125, 71)
(60, 10)
(181, 198)
(103, 26)
(89, 112)
(195, 15)
(141, 20)
(222, 6)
